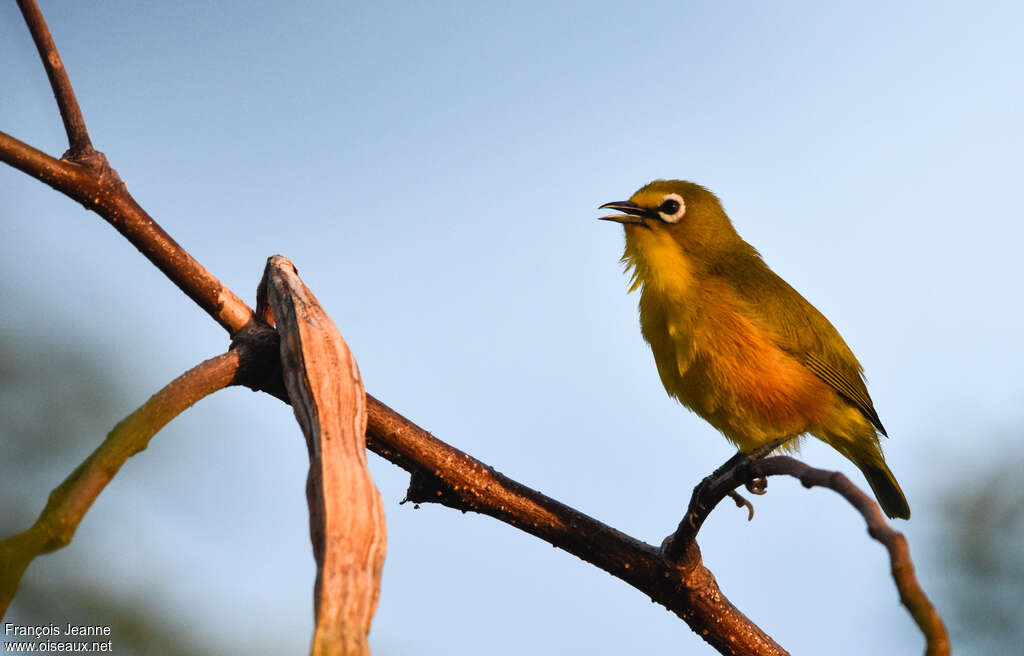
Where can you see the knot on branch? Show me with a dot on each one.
(96, 163)
(427, 488)
(259, 368)
(686, 563)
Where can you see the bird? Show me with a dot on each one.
(736, 344)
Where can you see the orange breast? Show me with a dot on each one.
(741, 381)
(712, 352)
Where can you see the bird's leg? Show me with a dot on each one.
(742, 459)
(765, 449)
(710, 491)
(738, 459)
(732, 463)
(698, 509)
(757, 485)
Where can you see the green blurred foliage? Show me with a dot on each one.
(983, 549)
(54, 400)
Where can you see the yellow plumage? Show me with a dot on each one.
(736, 344)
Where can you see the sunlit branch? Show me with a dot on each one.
(70, 113)
(440, 473)
(753, 474)
(69, 502)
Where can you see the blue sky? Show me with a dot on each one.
(434, 171)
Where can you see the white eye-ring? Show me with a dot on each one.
(672, 208)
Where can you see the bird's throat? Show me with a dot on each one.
(657, 263)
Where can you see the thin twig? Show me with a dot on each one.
(80, 147)
(911, 594)
(705, 497)
(745, 472)
(711, 491)
(69, 502)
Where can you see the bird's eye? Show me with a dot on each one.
(672, 208)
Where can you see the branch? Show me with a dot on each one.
(346, 514)
(101, 190)
(706, 497)
(78, 138)
(85, 176)
(753, 474)
(439, 472)
(69, 502)
(443, 474)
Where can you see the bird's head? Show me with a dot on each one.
(691, 214)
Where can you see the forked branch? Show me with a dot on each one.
(85, 176)
(753, 474)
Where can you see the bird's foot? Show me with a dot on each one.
(744, 459)
(699, 508)
(741, 502)
(715, 487)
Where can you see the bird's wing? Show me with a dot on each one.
(800, 328)
(852, 388)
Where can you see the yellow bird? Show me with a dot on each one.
(735, 343)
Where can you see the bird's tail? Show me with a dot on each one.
(886, 489)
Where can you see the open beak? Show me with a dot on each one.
(631, 212)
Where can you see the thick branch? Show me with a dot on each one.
(70, 113)
(446, 475)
